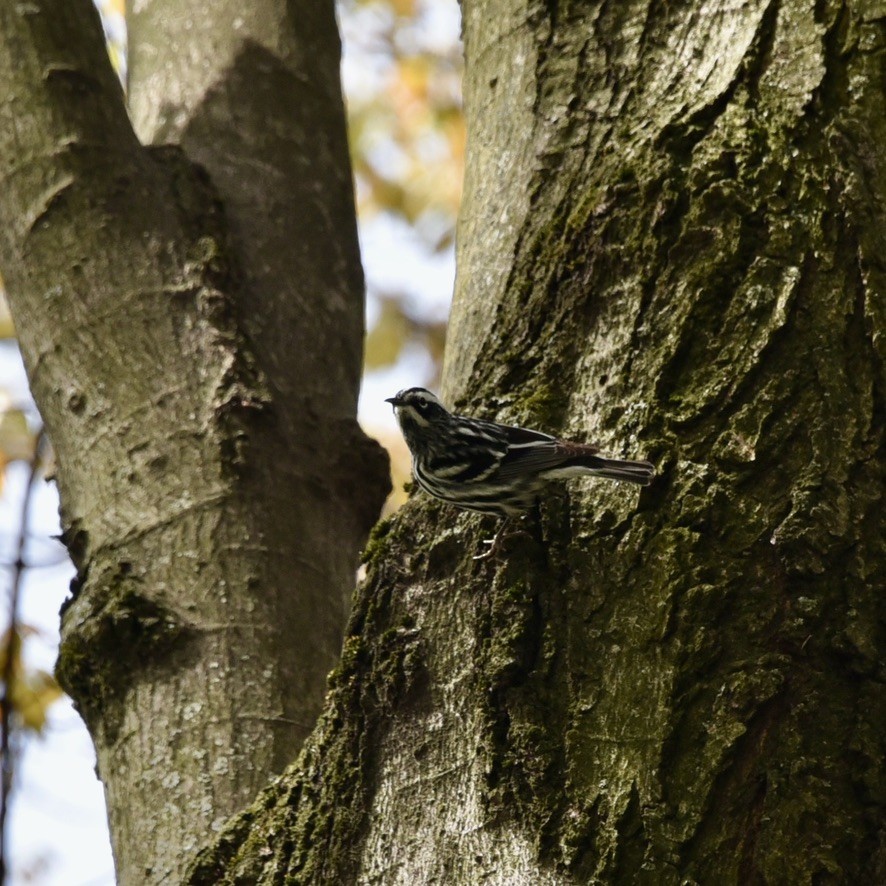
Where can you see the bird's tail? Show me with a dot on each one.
(640, 472)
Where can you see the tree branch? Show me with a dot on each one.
(62, 118)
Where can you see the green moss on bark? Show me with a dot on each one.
(307, 826)
(121, 631)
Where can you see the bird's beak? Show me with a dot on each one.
(394, 401)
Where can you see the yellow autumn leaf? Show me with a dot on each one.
(7, 329)
(31, 692)
(17, 439)
(32, 697)
(386, 338)
(411, 83)
(403, 8)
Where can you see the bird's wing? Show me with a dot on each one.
(532, 452)
(472, 452)
(519, 437)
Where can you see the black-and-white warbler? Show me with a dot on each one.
(493, 468)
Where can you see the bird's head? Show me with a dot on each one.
(418, 410)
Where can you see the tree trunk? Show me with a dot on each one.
(195, 350)
(671, 244)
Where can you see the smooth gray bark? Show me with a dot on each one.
(195, 350)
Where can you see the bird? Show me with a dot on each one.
(491, 468)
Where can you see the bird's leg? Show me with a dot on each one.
(504, 531)
(493, 542)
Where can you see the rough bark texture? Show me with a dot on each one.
(672, 243)
(195, 351)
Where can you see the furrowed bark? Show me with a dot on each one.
(214, 491)
(671, 244)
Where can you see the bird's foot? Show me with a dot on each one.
(493, 543)
(496, 542)
(494, 548)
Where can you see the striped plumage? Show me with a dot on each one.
(492, 468)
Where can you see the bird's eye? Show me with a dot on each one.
(422, 405)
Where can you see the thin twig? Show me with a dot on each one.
(8, 675)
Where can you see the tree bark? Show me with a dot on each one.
(195, 351)
(671, 244)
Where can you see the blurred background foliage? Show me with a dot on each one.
(402, 72)
(404, 112)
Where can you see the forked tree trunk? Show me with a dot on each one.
(671, 244)
(195, 350)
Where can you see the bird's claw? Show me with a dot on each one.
(506, 531)
(494, 542)
(493, 549)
